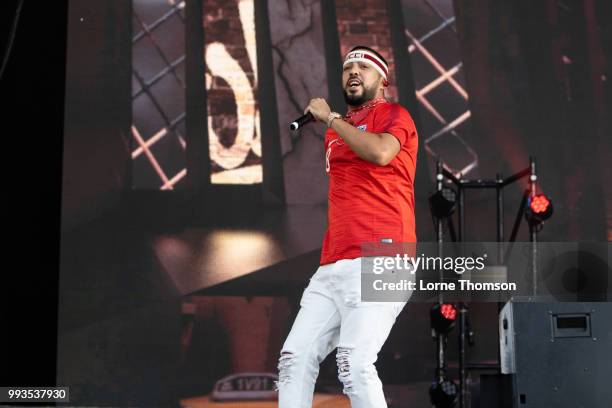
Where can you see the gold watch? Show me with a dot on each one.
(331, 117)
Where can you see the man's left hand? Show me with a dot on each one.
(319, 109)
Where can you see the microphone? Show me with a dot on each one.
(301, 121)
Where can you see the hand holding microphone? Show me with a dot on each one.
(301, 121)
(317, 109)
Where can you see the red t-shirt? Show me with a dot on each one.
(369, 203)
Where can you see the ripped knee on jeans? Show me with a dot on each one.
(284, 365)
(344, 369)
(353, 371)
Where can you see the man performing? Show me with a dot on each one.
(370, 159)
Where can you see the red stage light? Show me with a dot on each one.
(539, 204)
(448, 311)
(443, 317)
(539, 208)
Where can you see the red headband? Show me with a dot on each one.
(361, 55)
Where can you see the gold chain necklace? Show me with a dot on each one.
(368, 105)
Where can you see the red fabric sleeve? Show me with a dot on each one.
(397, 121)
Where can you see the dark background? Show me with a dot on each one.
(32, 88)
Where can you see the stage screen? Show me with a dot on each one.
(158, 94)
(230, 58)
(158, 130)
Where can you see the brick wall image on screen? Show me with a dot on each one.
(230, 55)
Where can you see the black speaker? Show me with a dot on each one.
(557, 354)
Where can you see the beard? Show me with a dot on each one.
(358, 100)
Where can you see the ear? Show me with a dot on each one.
(383, 81)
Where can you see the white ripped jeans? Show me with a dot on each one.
(332, 315)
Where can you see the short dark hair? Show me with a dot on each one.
(363, 47)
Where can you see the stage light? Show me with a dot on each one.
(443, 318)
(442, 203)
(539, 209)
(448, 311)
(444, 394)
